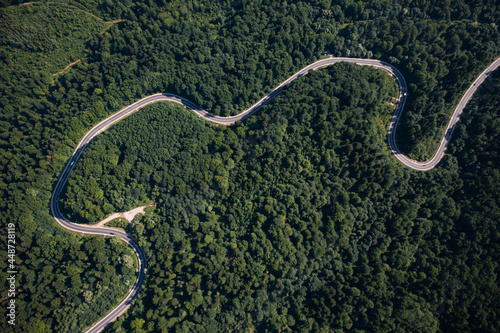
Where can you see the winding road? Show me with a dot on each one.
(105, 124)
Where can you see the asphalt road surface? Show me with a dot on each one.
(105, 124)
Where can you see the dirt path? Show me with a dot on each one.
(114, 21)
(22, 4)
(129, 216)
(65, 68)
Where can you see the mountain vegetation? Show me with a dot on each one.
(65, 282)
(298, 218)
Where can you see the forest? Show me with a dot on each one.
(65, 282)
(298, 218)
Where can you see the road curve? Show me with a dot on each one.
(106, 123)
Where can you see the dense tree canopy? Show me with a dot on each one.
(298, 218)
(65, 282)
(398, 249)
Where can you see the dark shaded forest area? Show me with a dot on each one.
(300, 218)
(398, 249)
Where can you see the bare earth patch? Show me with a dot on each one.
(129, 216)
(22, 4)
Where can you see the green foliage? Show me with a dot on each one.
(65, 282)
(45, 36)
(119, 223)
(232, 54)
(318, 227)
(298, 218)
